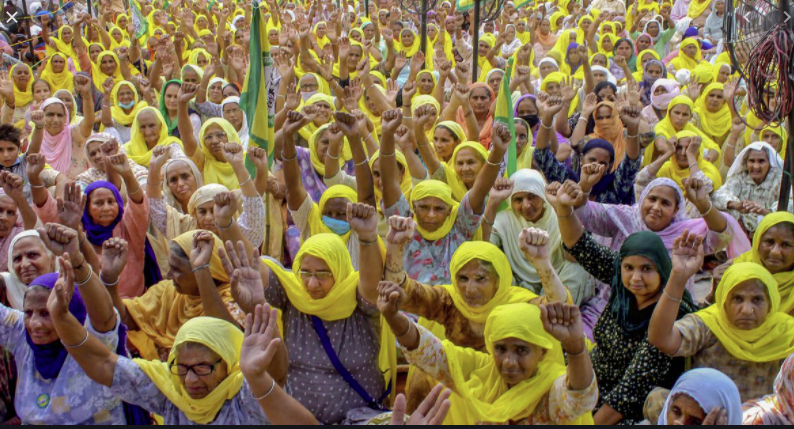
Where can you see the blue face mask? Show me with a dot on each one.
(130, 105)
(339, 227)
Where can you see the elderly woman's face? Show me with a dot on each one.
(477, 282)
(771, 138)
(316, 276)
(21, 76)
(426, 84)
(599, 60)
(654, 71)
(38, 322)
(31, 259)
(444, 143)
(715, 100)
(685, 411)
(66, 99)
(527, 205)
(190, 76)
(659, 207)
(468, 166)
(546, 69)
(203, 369)
(640, 277)
(747, 306)
(103, 207)
(431, 213)
(757, 162)
(214, 139)
(495, 80)
(517, 360)
(323, 113)
(95, 157)
(643, 43)
(150, 127)
(653, 29)
(181, 181)
(8, 215)
(205, 216)
(215, 93)
(54, 118)
(480, 100)
(58, 63)
(777, 248)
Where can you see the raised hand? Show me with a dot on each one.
(404, 139)
(564, 323)
(261, 341)
(688, 254)
(534, 243)
(72, 206)
(716, 417)
(246, 281)
(391, 120)
(259, 157)
(571, 195)
(160, 155)
(431, 412)
(401, 230)
(82, 85)
(567, 91)
(409, 90)
(233, 153)
(590, 103)
(347, 123)
(13, 185)
(400, 62)
(697, 193)
(37, 117)
(549, 105)
(224, 209)
(119, 164)
(417, 62)
(36, 164)
(114, 258)
(60, 240)
(187, 92)
(363, 219)
(61, 296)
(737, 126)
(590, 176)
(424, 116)
(461, 94)
(295, 121)
(631, 116)
(203, 246)
(390, 298)
(500, 138)
(501, 191)
(693, 150)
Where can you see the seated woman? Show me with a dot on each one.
(149, 131)
(662, 92)
(628, 367)
(19, 215)
(57, 139)
(52, 389)
(471, 108)
(743, 334)
(770, 250)
(98, 148)
(201, 383)
(120, 106)
(522, 378)
(442, 224)
(713, 112)
(174, 96)
(612, 185)
(752, 185)
(702, 397)
(774, 409)
(326, 305)
(17, 92)
(680, 112)
(28, 259)
(458, 311)
(529, 209)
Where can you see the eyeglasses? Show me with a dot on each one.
(201, 370)
(319, 275)
(309, 87)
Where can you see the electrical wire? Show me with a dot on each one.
(769, 75)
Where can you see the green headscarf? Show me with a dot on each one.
(172, 125)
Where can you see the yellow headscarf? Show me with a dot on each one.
(124, 38)
(481, 393)
(432, 76)
(117, 112)
(66, 49)
(162, 311)
(683, 62)
(364, 107)
(58, 81)
(194, 56)
(22, 98)
(314, 141)
(316, 225)
(581, 37)
(98, 76)
(342, 300)
(222, 338)
(780, 132)
(215, 170)
(609, 53)
(697, 7)
(321, 42)
(409, 51)
(717, 123)
(137, 149)
(442, 191)
(553, 20)
(454, 181)
(310, 129)
(557, 77)
(483, 64)
(772, 341)
(406, 184)
(430, 64)
(426, 100)
(785, 280)
(639, 72)
(506, 293)
(666, 129)
(671, 169)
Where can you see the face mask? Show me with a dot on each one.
(662, 102)
(339, 227)
(128, 105)
(307, 95)
(532, 120)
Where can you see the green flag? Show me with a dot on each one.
(139, 23)
(504, 115)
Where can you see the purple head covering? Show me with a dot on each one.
(49, 358)
(691, 32)
(648, 81)
(98, 234)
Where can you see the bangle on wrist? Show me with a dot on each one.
(365, 161)
(711, 207)
(407, 331)
(272, 388)
(42, 186)
(200, 268)
(328, 154)
(285, 159)
(584, 350)
(231, 222)
(493, 164)
(692, 165)
(544, 126)
(670, 297)
(568, 215)
(116, 283)
(249, 179)
(90, 274)
(367, 243)
(77, 345)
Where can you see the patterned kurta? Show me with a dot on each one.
(740, 187)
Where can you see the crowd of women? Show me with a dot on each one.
(380, 262)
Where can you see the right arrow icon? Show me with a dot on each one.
(788, 17)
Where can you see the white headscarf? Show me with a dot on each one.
(170, 198)
(610, 76)
(710, 389)
(15, 288)
(243, 131)
(740, 163)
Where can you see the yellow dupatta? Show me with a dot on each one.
(58, 81)
(772, 341)
(310, 129)
(557, 77)
(318, 165)
(442, 191)
(406, 184)
(785, 280)
(666, 129)
(98, 76)
(222, 338)
(601, 50)
(194, 56)
(639, 71)
(341, 301)
(581, 36)
(321, 42)
(316, 225)
(483, 64)
(697, 7)
(481, 395)
(717, 123)
(22, 98)
(426, 100)
(780, 132)
(684, 62)
(430, 64)
(215, 170)
(117, 111)
(409, 51)
(137, 149)
(454, 181)
(671, 169)
(505, 294)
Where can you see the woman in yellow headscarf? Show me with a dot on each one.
(697, 8)
(714, 115)
(63, 43)
(211, 160)
(22, 77)
(642, 58)
(484, 63)
(679, 166)
(484, 391)
(554, 21)
(582, 27)
(124, 108)
(426, 100)
(57, 74)
(118, 38)
(679, 114)
(776, 231)
(200, 57)
(141, 145)
(324, 297)
(325, 107)
(689, 55)
(430, 63)
(107, 65)
(461, 171)
(320, 32)
(777, 137)
(744, 328)
(408, 43)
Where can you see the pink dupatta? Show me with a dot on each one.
(58, 148)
